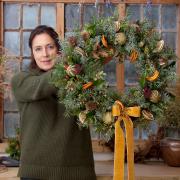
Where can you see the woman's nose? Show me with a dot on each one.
(45, 52)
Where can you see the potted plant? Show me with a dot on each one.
(171, 119)
(13, 148)
(170, 122)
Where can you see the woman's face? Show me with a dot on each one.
(44, 51)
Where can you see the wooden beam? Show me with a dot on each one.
(1, 117)
(60, 20)
(1, 23)
(120, 67)
(121, 10)
(178, 42)
(153, 1)
(100, 1)
(1, 94)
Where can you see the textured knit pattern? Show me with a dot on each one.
(52, 146)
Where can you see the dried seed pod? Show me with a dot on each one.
(108, 118)
(155, 96)
(147, 115)
(120, 38)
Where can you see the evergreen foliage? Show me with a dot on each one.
(81, 81)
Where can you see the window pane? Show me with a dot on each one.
(94, 134)
(130, 74)
(169, 16)
(134, 12)
(89, 12)
(71, 16)
(12, 66)
(48, 15)
(30, 16)
(170, 39)
(110, 70)
(12, 16)
(26, 49)
(11, 123)
(136, 133)
(108, 10)
(10, 104)
(69, 34)
(12, 42)
(25, 64)
(153, 14)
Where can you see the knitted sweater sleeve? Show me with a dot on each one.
(28, 87)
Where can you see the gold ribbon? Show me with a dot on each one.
(122, 114)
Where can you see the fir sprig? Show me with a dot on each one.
(81, 81)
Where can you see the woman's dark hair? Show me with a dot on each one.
(40, 30)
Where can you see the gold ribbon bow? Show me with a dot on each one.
(122, 114)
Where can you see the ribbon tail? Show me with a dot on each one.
(119, 152)
(130, 147)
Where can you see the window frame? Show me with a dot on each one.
(60, 26)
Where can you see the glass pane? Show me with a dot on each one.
(11, 16)
(131, 76)
(169, 16)
(94, 134)
(108, 10)
(152, 130)
(110, 70)
(134, 12)
(10, 104)
(11, 123)
(69, 34)
(12, 42)
(48, 15)
(25, 64)
(71, 17)
(12, 66)
(89, 12)
(26, 49)
(170, 39)
(136, 133)
(30, 16)
(144, 134)
(153, 15)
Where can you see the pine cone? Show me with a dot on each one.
(72, 41)
(85, 35)
(90, 106)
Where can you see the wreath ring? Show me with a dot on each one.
(81, 81)
(82, 85)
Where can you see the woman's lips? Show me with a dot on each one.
(46, 62)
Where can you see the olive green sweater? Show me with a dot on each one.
(52, 146)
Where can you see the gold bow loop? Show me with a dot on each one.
(122, 113)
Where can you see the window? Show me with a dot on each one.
(18, 18)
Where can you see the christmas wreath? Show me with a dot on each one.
(79, 74)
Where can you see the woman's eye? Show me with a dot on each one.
(50, 46)
(38, 49)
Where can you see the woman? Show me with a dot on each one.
(52, 146)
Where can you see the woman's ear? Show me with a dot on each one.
(59, 52)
